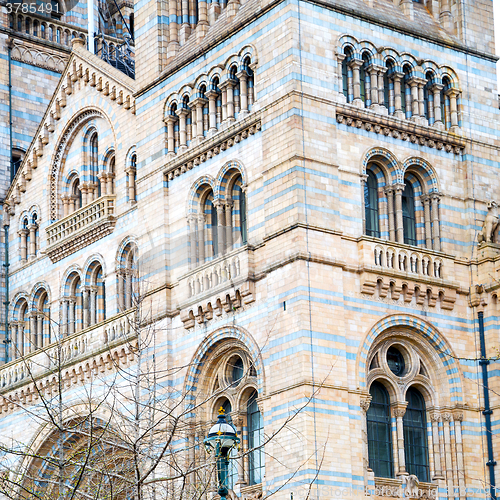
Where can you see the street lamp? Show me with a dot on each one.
(221, 439)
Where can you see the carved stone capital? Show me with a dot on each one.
(435, 416)
(364, 403)
(399, 409)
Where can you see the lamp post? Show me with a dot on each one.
(221, 439)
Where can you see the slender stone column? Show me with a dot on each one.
(14, 338)
(453, 95)
(93, 305)
(230, 100)
(32, 229)
(438, 118)
(64, 316)
(23, 233)
(65, 203)
(399, 188)
(182, 114)
(104, 186)
(173, 43)
(33, 341)
(414, 98)
(131, 184)
(421, 99)
(381, 90)
(192, 225)
(109, 182)
(243, 77)
(436, 232)
(86, 308)
(219, 205)
(121, 293)
(356, 84)
(427, 219)
(71, 315)
(397, 77)
(364, 405)
(435, 418)
(72, 204)
(39, 331)
(399, 410)
(223, 87)
(389, 192)
(458, 417)
(129, 283)
(448, 460)
(20, 336)
(170, 121)
(212, 110)
(201, 238)
(373, 86)
(229, 225)
(199, 102)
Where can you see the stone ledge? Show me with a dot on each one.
(399, 129)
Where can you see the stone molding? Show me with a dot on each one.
(209, 148)
(38, 57)
(399, 129)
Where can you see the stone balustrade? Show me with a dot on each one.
(45, 28)
(80, 228)
(72, 349)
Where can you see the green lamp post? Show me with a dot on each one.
(221, 439)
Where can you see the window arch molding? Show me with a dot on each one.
(227, 370)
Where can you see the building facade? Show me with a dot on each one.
(289, 210)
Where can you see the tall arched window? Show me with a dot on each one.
(406, 92)
(408, 202)
(371, 205)
(415, 436)
(378, 422)
(238, 223)
(255, 441)
(94, 166)
(212, 213)
(429, 99)
(345, 73)
(364, 80)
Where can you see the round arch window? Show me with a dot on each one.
(396, 361)
(236, 366)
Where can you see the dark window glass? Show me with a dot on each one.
(255, 441)
(415, 436)
(345, 78)
(378, 422)
(409, 214)
(214, 224)
(237, 372)
(396, 361)
(371, 205)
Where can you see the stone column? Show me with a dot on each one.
(230, 100)
(201, 238)
(223, 87)
(93, 305)
(399, 410)
(192, 226)
(14, 339)
(421, 99)
(84, 188)
(120, 290)
(33, 333)
(72, 204)
(229, 225)
(356, 84)
(102, 176)
(212, 110)
(23, 233)
(39, 331)
(435, 418)
(64, 316)
(436, 232)
(199, 102)
(20, 336)
(170, 121)
(32, 229)
(389, 193)
(128, 290)
(85, 306)
(398, 105)
(65, 203)
(219, 205)
(173, 42)
(71, 315)
(182, 114)
(399, 188)
(131, 184)
(448, 460)
(458, 417)
(381, 89)
(438, 119)
(243, 77)
(109, 183)
(414, 99)
(453, 95)
(373, 87)
(364, 405)
(427, 219)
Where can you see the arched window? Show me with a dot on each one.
(371, 205)
(255, 441)
(20, 330)
(17, 159)
(408, 203)
(76, 195)
(364, 80)
(127, 278)
(347, 74)
(237, 223)
(132, 179)
(94, 296)
(415, 436)
(406, 92)
(41, 315)
(378, 421)
(212, 214)
(429, 99)
(445, 102)
(94, 167)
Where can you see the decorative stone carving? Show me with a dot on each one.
(411, 483)
(490, 225)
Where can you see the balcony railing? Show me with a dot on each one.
(45, 28)
(72, 349)
(82, 227)
(225, 283)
